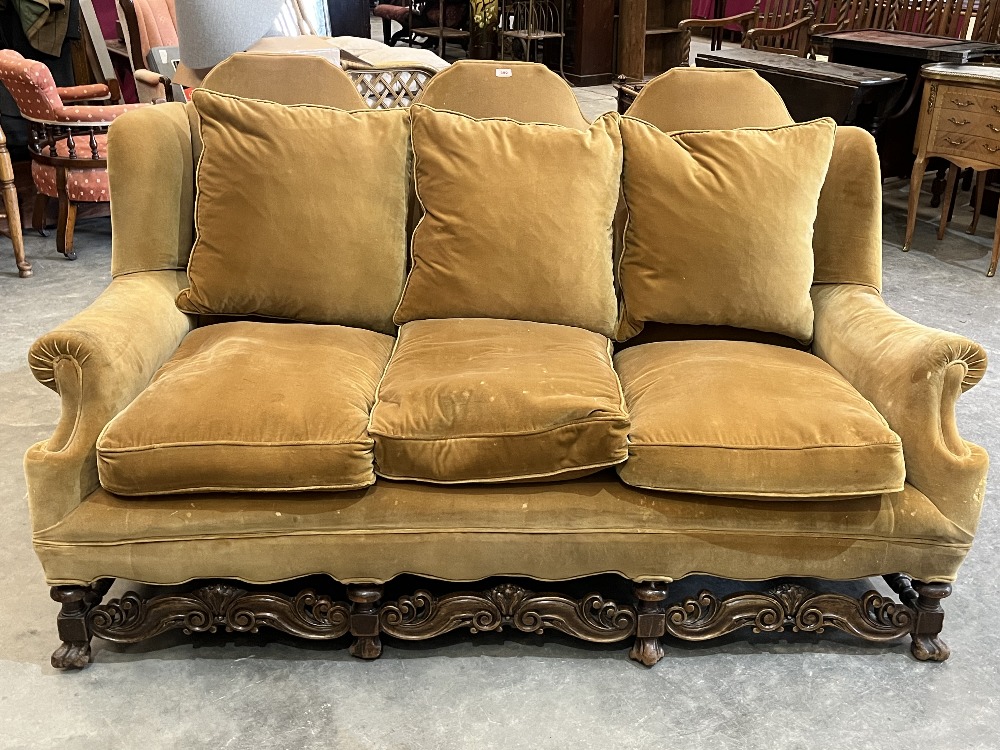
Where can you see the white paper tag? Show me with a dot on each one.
(504, 72)
(163, 56)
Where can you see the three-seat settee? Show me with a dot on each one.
(652, 346)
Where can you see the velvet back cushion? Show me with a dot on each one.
(517, 221)
(720, 226)
(300, 213)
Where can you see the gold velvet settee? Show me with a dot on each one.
(229, 549)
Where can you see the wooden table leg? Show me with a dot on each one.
(949, 188)
(977, 206)
(916, 182)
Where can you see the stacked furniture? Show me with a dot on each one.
(305, 397)
(69, 140)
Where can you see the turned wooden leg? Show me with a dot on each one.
(651, 622)
(38, 213)
(946, 204)
(916, 181)
(927, 644)
(365, 599)
(13, 209)
(76, 601)
(977, 205)
(67, 217)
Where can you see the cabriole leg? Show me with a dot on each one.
(927, 644)
(76, 601)
(651, 623)
(365, 600)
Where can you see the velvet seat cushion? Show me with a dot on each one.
(246, 406)
(517, 221)
(481, 400)
(751, 420)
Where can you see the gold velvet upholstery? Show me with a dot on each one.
(531, 93)
(253, 407)
(480, 400)
(702, 244)
(493, 241)
(751, 420)
(103, 358)
(550, 531)
(285, 79)
(280, 232)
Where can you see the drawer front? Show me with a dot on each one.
(970, 145)
(970, 123)
(968, 100)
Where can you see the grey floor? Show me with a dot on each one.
(510, 691)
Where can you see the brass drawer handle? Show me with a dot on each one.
(953, 143)
(991, 149)
(966, 103)
(953, 121)
(993, 127)
(996, 108)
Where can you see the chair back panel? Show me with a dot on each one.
(285, 79)
(949, 18)
(481, 88)
(709, 99)
(773, 14)
(31, 85)
(847, 238)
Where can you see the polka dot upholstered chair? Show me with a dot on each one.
(70, 142)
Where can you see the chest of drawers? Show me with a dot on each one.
(960, 122)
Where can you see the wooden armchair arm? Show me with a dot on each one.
(751, 35)
(822, 28)
(716, 23)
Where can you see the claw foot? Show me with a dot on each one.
(929, 648)
(71, 656)
(366, 647)
(646, 651)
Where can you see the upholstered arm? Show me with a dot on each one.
(98, 362)
(913, 375)
(87, 93)
(151, 87)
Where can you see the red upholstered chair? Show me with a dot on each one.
(69, 140)
(147, 24)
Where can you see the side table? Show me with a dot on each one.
(959, 122)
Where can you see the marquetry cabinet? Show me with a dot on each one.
(960, 122)
(649, 41)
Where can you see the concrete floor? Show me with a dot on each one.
(506, 690)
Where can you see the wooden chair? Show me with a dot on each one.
(69, 141)
(12, 209)
(949, 18)
(441, 20)
(772, 26)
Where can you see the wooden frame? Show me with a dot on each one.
(12, 208)
(364, 615)
(45, 137)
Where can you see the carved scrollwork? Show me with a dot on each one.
(872, 617)
(423, 615)
(307, 615)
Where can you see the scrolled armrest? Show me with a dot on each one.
(913, 375)
(98, 362)
(717, 23)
